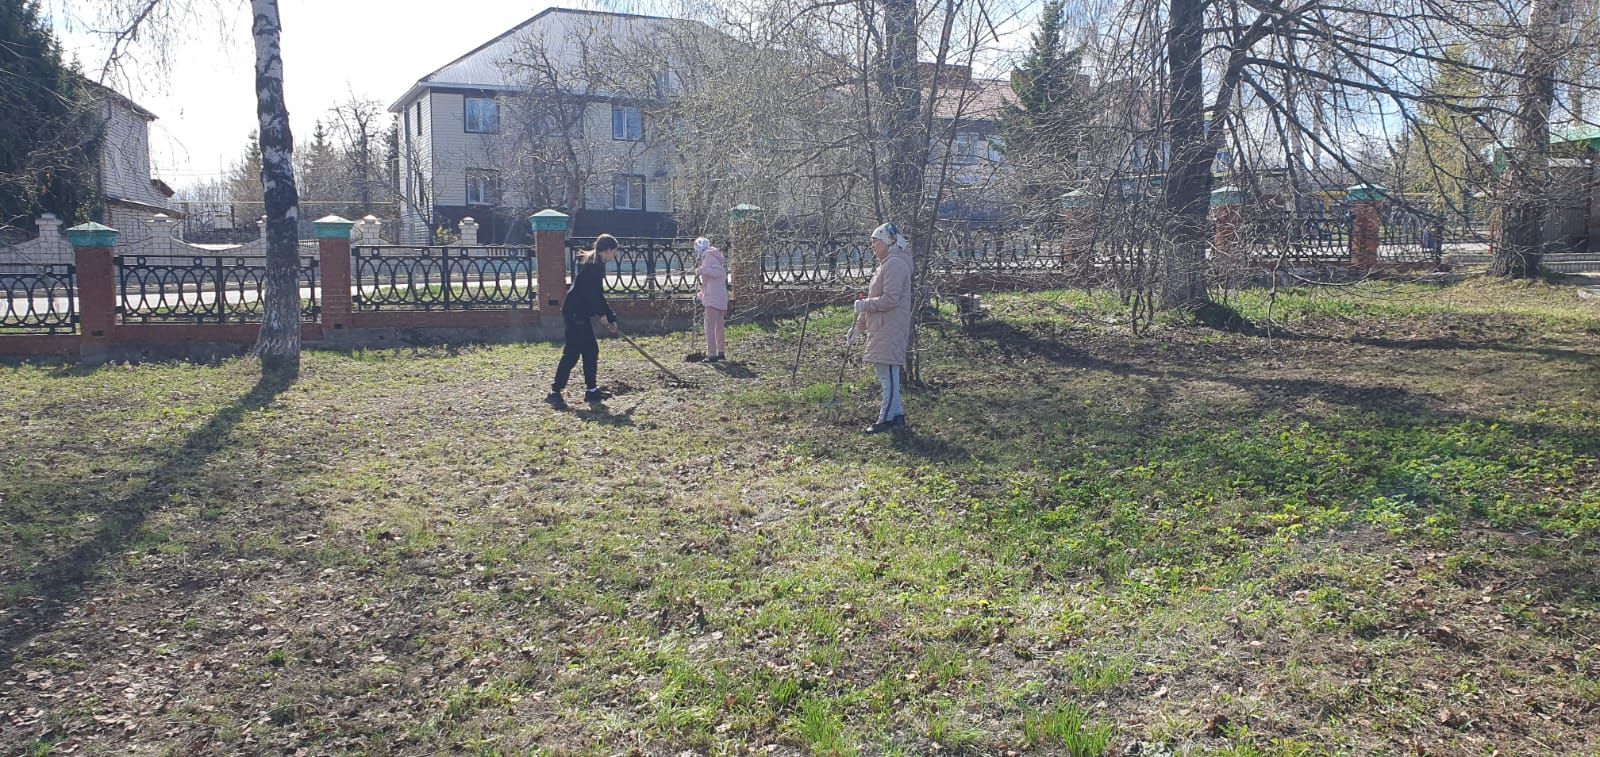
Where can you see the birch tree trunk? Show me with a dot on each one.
(1525, 186)
(278, 346)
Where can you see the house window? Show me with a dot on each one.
(626, 123)
(483, 115)
(965, 150)
(419, 118)
(627, 192)
(483, 187)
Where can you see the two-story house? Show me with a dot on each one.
(967, 111)
(130, 196)
(553, 112)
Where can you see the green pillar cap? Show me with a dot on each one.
(1227, 196)
(1078, 198)
(549, 220)
(92, 234)
(744, 212)
(1367, 193)
(332, 227)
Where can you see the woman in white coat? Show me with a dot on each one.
(885, 316)
(713, 272)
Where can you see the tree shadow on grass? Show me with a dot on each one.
(1447, 343)
(49, 588)
(1398, 405)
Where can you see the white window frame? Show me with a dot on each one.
(482, 186)
(477, 125)
(620, 130)
(622, 192)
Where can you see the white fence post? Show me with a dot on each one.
(52, 246)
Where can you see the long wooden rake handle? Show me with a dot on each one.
(647, 356)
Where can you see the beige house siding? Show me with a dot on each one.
(416, 163)
(125, 161)
(455, 151)
(610, 157)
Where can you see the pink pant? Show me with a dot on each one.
(716, 336)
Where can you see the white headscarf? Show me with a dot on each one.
(701, 245)
(889, 234)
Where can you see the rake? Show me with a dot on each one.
(844, 362)
(696, 334)
(647, 356)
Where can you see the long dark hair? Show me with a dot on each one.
(601, 244)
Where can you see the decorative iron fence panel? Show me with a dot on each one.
(443, 278)
(38, 299)
(1306, 238)
(799, 263)
(203, 289)
(1040, 248)
(1410, 238)
(645, 268)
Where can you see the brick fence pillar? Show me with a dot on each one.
(333, 248)
(550, 253)
(1227, 220)
(93, 246)
(1366, 227)
(745, 241)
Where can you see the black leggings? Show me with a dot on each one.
(580, 343)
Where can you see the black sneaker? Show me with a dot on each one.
(554, 400)
(594, 395)
(715, 359)
(898, 420)
(880, 427)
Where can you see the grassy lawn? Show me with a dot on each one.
(1375, 530)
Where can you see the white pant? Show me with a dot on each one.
(889, 378)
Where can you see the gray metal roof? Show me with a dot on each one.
(566, 35)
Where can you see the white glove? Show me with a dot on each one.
(853, 338)
(861, 307)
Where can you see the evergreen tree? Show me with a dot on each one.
(319, 173)
(1040, 131)
(50, 136)
(244, 178)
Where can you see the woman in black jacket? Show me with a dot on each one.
(586, 299)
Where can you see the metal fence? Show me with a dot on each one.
(800, 263)
(645, 268)
(999, 249)
(202, 289)
(38, 299)
(443, 278)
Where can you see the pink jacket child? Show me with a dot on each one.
(713, 272)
